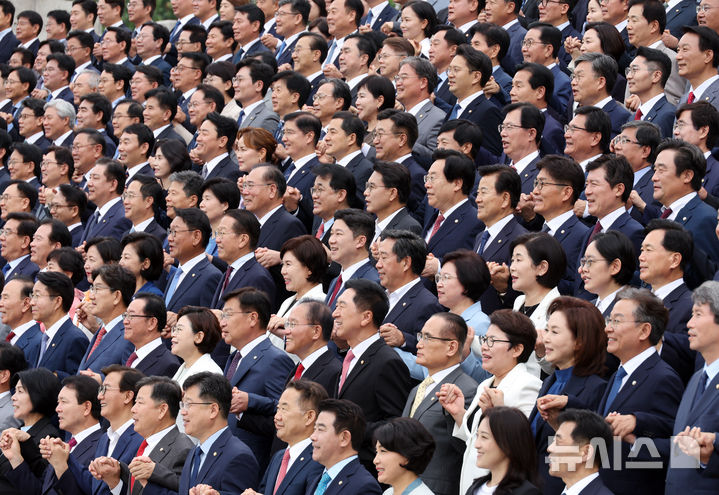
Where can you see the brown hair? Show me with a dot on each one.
(257, 138)
(587, 325)
(202, 320)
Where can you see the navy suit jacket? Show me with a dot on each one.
(683, 14)
(112, 224)
(701, 219)
(571, 236)
(112, 349)
(316, 83)
(417, 190)
(76, 234)
(443, 93)
(226, 168)
(65, 350)
(562, 97)
(514, 55)
(711, 177)
(352, 480)
(652, 394)
(504, 81)
(529, 174)
(662, 114)
(411, 313)
(627, 226)
(303, 179)
(262, 375)
(160, 362)
(361, 168)
(196, 287)
(702, 414)
(7, 45)
(487, 117)
(169, 133)
(583, 392)
(617, 114)
(155, 229)
(303, 472)
(286, 56)
(645, 189)
(251, 274)
(230, 469)
(161, 64)
(456, 232)
(552, 137)
(110, 146)
(67, 143)
(366, 271)
(25, 267)
(30, 342)
(388, 14)
(65, 94)
(281, 226)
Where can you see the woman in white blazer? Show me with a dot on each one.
(404, 449)
(538, 264)
(304, 263)
(509, 342)
(194, 337)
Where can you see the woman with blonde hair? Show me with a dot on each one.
(254, 145)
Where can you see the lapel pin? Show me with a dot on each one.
(362, 362)
(254, 357)
(634, 382)
(456, 220)
(404, 304)
(562, 231)
(717, 385)
(684, 219)
(214, 454)
(162, 449)
(432, 399)
(470, 111)
(53, 344)
(499, 241)
(302, 458)
(340, 482)
(193, 274)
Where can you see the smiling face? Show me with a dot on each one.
(184, 340)
(489, 455)
(602, 198)
(389, 464)
(294, 273)
(523, 270)
(146, 412)
(113, 401)
(502, 356)
(327, 444)
(559, 341)
(21, 403)
(597, 272)
(291, 419)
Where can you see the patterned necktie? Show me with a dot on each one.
(131, 359)
(228, 274)
(100, 334)
(283, 469)
(345, 368)
(666, 213)
(72, 442)
(233, 365)
(421, 391)
(690, 97)
(289, 170)
(435, 228)
(322, 485)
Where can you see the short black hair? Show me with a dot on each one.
(146, 246)
(245, 223)
(155, 307)
(12, 359)
(88, 6)
(686, 157)
(85, 389)
(676, 239)
(253, 13)
(33, 17)
(395, 176)
(61, 17)
(196, 219)
(456, 166)
(404, 122)
(703, 114)
(359, 222)
(108, 247)
(317, 43)
(369, 296)
(306, 122)
(128, 378)
(295, 82)
(26, 76)
(708, 40)
(649, 309)
(164, 390)
(253, 299)
(114, 170)
(85, 39)
(58, 232)
(652, 11)
(564, 170)
(476, 61)
(589, 427)
(165, 100)
(318, 313)
(410, 439)
(211, 387)
(117, 278)
(259, 71)
(69, 260)
(340, 90)
(616, 171)
(539, 76)
(8, 7)
(548, 35)
(407, 245)
(122, 35)
(64, 62)
(464, 132)
(119, 73)
(100, 104)
(43, 387)
(614, 245)
(530, 117)
(365, 46)
(58, 285)
(656, 59)
(507, 181)
(159, 32)
(28, 191)
(597, 121)
(543, 247)
(225, 127)
(144, 136)
(348, 417)
(224, 190)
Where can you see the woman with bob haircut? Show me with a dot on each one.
(194, 337)
(404, 449)
(607, 267)
(506, 347)
(576, 344)
(374, 94)
(504, 447)
(219, 194)
(167, 157)
(34, 402)
(418, 22)
(142, 256)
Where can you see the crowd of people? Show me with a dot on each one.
(351, 247)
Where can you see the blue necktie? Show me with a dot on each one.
(280, 49)
(240, 117)
(43, 347)
(196, 460)
(454, 113)
(369, 19)
(174, 32)
(173, 286)
(616, 384)
(700, 388)
(331, 52)
(289, 170)
(322, 485)
(239, 54)
(483, 242)
(280, 131)
(6, 270)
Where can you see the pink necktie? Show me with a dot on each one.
(283, 468)
(345, 368)
(100, 334)
(437, 223)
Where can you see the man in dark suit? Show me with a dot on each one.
(471, 103)
(19, 230)
(252, 19)
(57, 75)
(373, 375)
(643, 395)
(681, 14)
(158, 103)
(215, 138)
(309, 63)
(292, 470)
(589, 91)
(307, 331)
(16, 312)
(337, 439)
(257, 371)
(134, 148)
(150, 45)
(378, 13)
(447, 40)
(400, 261)
(349, 244)
(440, 351)
(105, 185)
(699, 402)
(194, 280)
(497, 197)
(522, 129)
(302, 133)
(344, 138)
(499, 13)
(95, 111)
(290, 23)
(573, 458)
(29, 124)
(108, 345)
(9, 41)
(700, 75)
(220, 460)
(541, 46)
(145, 320)
(62, 344)
(140, 211)
(653, 104)
(164, 447)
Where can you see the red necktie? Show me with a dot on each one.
(298, 372)
(320, 231)
(140, 451)
(100, 334)
(72, 442)
(345, 368)
(131, 359)
(690, 97)
(283, 468)
(10, 336)
(226, 281)
(435, 228)
(638, 115)
(597, 228)
(666, 213)
(336, 290)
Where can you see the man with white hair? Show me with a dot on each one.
(59, 117)
(85, 83)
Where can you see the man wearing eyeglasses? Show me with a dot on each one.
(521, 133)
(15, 238)
(111, 292)
(647, 76)
(556, 13)
(151, 42)
(439, 349)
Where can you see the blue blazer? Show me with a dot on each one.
(155, 229)
(366, 271)
(251, 274)
(64, 351)
(262, 375)
(529, 174)
(110, 146)
(353, 479)
(487, 117)
(417, 190)
(514, 55)
(161, 64)
(286, 56)
(701, 219)
(711, 177)
(65, 94)
(571, 236)
(652, 394)
(67, 143)
(361, 169)
(618, 115)
(160, 362)
(30, 342)
(25, 267)
(504, 81)
(113, 224)
(316, 83)
(562, 97)
(196, 288)
(456, 232)
(226, 168)
(303, 472)
(281, 226)
(629, 227)
(77, 234)
(303, 179)
(704, 415)
(552, 137)
(645, 189)
(662, 114)
(388, 14)
(7, 45)
(443, 93)
(112, 349)
(683, 14)
(170, 133)
(411, 313)
(583, 392)
(231, 468)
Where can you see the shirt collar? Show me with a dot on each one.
(603, 304)
(62, 138)
(106, 207)
(337, 468)
(190, 264)
(641, 173)
(699, 91)
(647, 106)
(146, 349)
(510, 24)
(632, 364)
(586, 162)
(207, 444)
(268, 215)
(142, 226)
(356, 80)
(711, 370)
(680, 203)
(301, 162)
(240, 262)
(454, 207)
(360, 348)
(622, 25)
(34, 137)
(58, 91)
(521, 164)
(345, 160)
(213, 163)
(206, 24)
(611, 217)
(246, 47)
(416, 109)
(4, 32)
(563, 26)
(268, 25)
(132, 171)
(20, 330)
(155, 438)
(27, 44)
(465, 27)
(381, 225)
(350, 270)
(110, 325)
(149, 60)
(377, 10)
(671, 4)
(398, 294)
(468, 100)
(498, 226)
(118, 433)
(247, 349)
(249, 108)
(160, 130)
(314, 356)
(665, 290)
(80, 436)
(576, 488)
(50, 332)
(558, 221)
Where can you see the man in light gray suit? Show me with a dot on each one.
(699, 70)
(416, 81)
(440, 350)
(12, 360)
(249, 95)
(161, 456)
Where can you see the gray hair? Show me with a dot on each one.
(191, 182)
(602, 65)
(64, 109)
(708, 293)
(424, 70)
(94, 78)
(650, 309)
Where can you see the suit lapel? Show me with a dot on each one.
(708, 398)
(300, 463)
(247, 362)
(431, 399)
(53, 343)
(404, 302)
(635, 380)
(448, 226)
(498, 242)
(211, 456)
(363, 361)
(189, 279)
(164, 446)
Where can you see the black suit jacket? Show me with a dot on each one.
(488, 117)
(411, 313)
(160, 362)
(278, 228)
(170, 133)
(526, 488)
(155, 229)
(675, 349)
(404, 221)
(7, 45)
(325, 370)
(226, 168)
(458, 230)
(361, 168)
(571, 236)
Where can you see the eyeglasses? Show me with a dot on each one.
(291, 325)
(613, 322)
(104, 388)
(317, 190)
(371, 187)
(403, 77)
(383, 56)
(539, 184)
(429, 179)
(94, 288)
(180, 68)
(229, 314)
(173, 232)
(427, 337)
(5, 197)
(630, 71)
(282, 14)
(47, 164)
(186, 405)
(490, 341)
(222, 233)
(443, 277)
(622, 140)
(544, 3)
(588, 262)
(78, 147)
(571, 129)
(508, 127)
(55, 206)
(195, 104)
(250, 185)
(319, 97)
(381, 134)
(36, 295)
(679, 124)
(703, 8)
(530, 42)
(130, 317)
